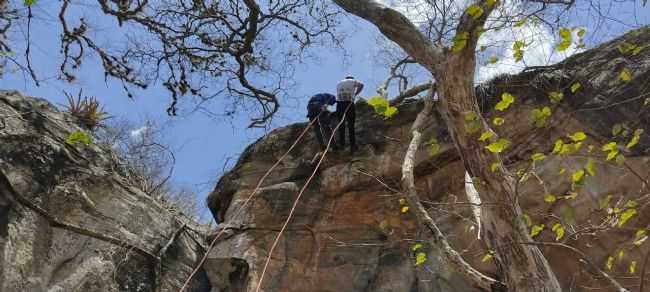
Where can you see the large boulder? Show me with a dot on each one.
(350, 231)
(70, 220)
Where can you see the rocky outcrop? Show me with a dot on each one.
(70, 220)
(350, 231)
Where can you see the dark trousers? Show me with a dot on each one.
(322, 125)
(350, 116)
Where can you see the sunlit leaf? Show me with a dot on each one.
(493, 59)
(577, 176)
(590, 167)
(498, 146)
(420, 258)
(498, 121)
(488, 256)
(506, 100)
(578, 136)
(486, 135)
(620, 159)
(627, 214)
(562, 170)
(29, 3)
(521, 22)
(581, 32)
(78, 137)
(538, 156)
(566, 39)
(527, 219)
(550, 198)
(404, 209)
(575, 87)
(470, 116)
(402, 201)
(632, 268)
(604, 202)
(617, 128)
(475, 11)
(559, 231)
(460, 42)
(635, 139)
(558, 146)
(473, 127)
(621, 255)
(640, 237)
(610, 263)
(416, 247)
(494, 166)
(625, 75)
(536, 230)
(555, 96)
(518, 51)
(570, 196)
(611, 146)
(540, 116)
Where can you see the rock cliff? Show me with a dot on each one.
(70, 220)
(350, 231)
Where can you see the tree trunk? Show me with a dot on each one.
(523, 267)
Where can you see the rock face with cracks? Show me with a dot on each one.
(351, 232)
(70, 220)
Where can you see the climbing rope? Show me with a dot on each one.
(250, 197)
(295, 202)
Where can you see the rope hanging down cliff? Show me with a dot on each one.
(250, 197)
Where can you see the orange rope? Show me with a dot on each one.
(259, 184)
(295, 202)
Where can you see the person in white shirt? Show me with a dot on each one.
(346, 92)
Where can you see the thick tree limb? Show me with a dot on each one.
(411, 92)
(408, 183)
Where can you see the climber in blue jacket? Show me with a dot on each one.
(317, 109)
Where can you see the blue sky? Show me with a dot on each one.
(202, 143)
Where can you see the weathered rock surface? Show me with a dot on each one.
(349, 232)
(81, 187)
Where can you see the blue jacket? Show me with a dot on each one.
(323, 99)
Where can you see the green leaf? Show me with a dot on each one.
(488, 256)
(29, 3)
(627, 214)
(559, 231)
(565, 43)
(550, 198)
(555, 96)
(578, 136)
(575, 87)
(493, 59)
(640, 237)
(498, 121)
(473, 127)
(506, 100)
(635, 139)
(434, 146)
(540, 116)
(492, 2)
(632, 268)
(416, 247)
(646, 101)
(518, 51)
(538, 156)
(577, 176)
(390, 112)
(77, 137)
(637, 50)
(604, 202)
(590, 167)
(378, 101)
(625, 75)
(558, 146)
(475, 11)
(610, 263)
(420, 258)
(498, 146)
(611, 146)
(494, 166)
(486, 135)
(460, 42)
(536, 230)
(570, 196)
(581, 32)
(617, 128)
(521, 22)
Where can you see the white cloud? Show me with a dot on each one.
(137, 133)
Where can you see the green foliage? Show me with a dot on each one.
(536, 230)
(575, 87)
(486, 135)
(612, 150)
(578, 136)
(521, 22)
(550, 198)
(472, 123)
(493, 59)
(538, 156)
(577, 176)
(630, 49)
(518, 50)
(540, 115)
(420, 258)
(625, 75)
(498, 146)
(635, 139)
(610, 263)
(498, 121)
(77, 137)
(87, 111)
(460, 42)
(382, 107)
(488, 256)
(433, 146)
(506, 100)
(566, 39)
(29, 3)
(559, 231)
(555, 96)
(590, 167)
(640, 237)
(475, 11)
(626, 215)
(416, 247)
